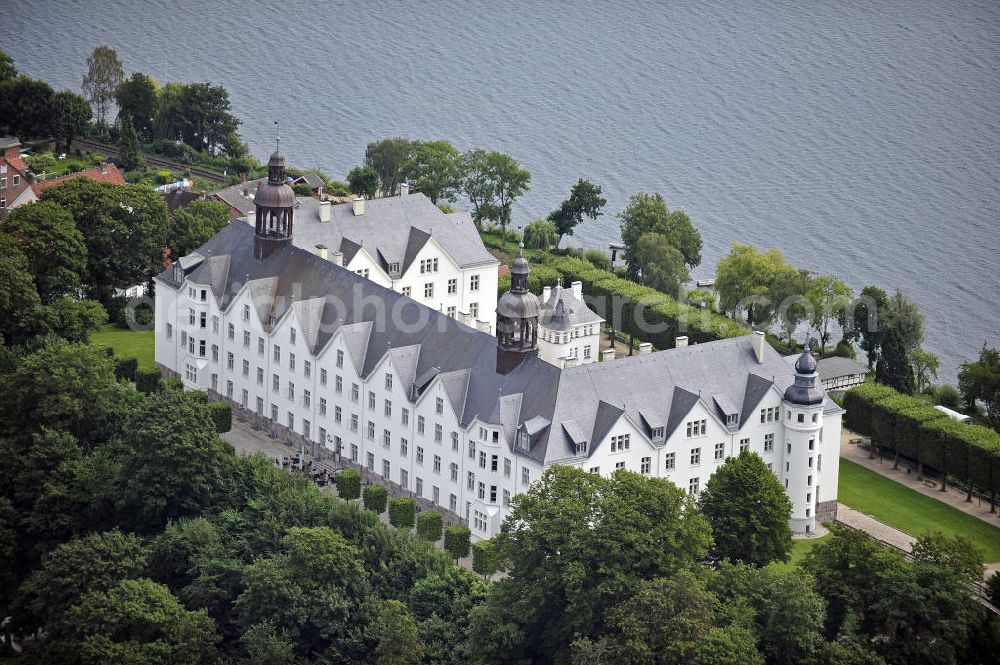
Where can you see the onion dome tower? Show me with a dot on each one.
(275, 202)
(517, 320)
(803, 407)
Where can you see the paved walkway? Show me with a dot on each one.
(955, 498)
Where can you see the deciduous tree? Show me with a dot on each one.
(894, 368)
(193, 225)
(55, 248)
(138, 101)
(398, 643)
(104, 75)
(435, 167)
(584, 200)
(748, 510)
(830, 298)
(363, 181)
(387, 156)
(647, 213)
(661, 264)
(493, 181)
(979, 381)
(71, 117)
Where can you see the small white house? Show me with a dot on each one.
(569, 331)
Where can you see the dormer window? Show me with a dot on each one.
(394, 268)
(178, 273)
(523, 440)
(731, 420)
(657, 433)
(581, 448)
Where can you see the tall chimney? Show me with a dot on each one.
(546, 292)
(338, 259)
(681, 342)
(645, 347)
(404, 189)
(104, 168)
(577, 288)
(758, 345)
(321, 251)
(251, 216)
(358, 205)
(324, 211)
(607, 354)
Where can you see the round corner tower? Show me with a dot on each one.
(803, 408)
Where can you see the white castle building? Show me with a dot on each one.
(569, 332)
(462, 418)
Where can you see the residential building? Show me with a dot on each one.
(461, 417)
(15, 179)
(838, 374)
(569, 332)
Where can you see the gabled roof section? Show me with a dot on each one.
(356, 336)
(606, 417)
(756, 387)
(349, 249)
(652, 418)
(261, 292)
(309, 314)
(107, 173)
(575, 431)
(681, 404)
(724, 407)
(456, 385)
(190, 261)
(414, 243)
(404, 360)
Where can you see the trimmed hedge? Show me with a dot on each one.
(911, 427)
(375, 498)
(429, 525)
(222, 416)
(456, 541)
(641, 311)
(402, 512)
(485, 559)
(348, 484)
(148, 380)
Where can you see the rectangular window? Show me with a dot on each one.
(404, 447)
(619, 466)
(231, 332)
(306, 428)
(437, 464)
(338, 414)
(720, 451)
(260, 406)
(619, 443)
(474, 309)
(215, 353)
(696, 428)
(429, 290)
(277, 354)
(644, 467)
(388, 409)
(454, 471)
(291, 361)
(744, 445)
(291, 391)
(405, 416)
(474, 283)
(322, 376)
(452, 286)
(525, 476)
(439, 406)
(404, 478)
(438, 433)
(470, 480)
(190, 316)
(260, 376)
(275, 383)
(420, 424)
(246, 312)
(371, 399)
(322, 406)
(203, 320)
(291, 335)
(246, 339)
(371, 430)
(230, 360)
(338, 384)
(260, 346)
(229, 389)
(274, 412)
(768, 442)
(595, 469)
(482, 460)
(388, 381)
(472, 450)
(451, 311)
(371, 462)
(306, 398)
(407, 291)
(246, 368)
(355, 393)
(481, 493)
(291, 421)
(695, 456)
(454, 441)
(693, 486)
(307, 369)
(386, 439)
(493, 493)
(354, 422)
(452, 502)
(340, 358)
(494, 463)
(170, 331)
(669, 461)
(420, 454)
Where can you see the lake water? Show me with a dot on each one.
(859, 137)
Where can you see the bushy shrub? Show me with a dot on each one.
(375, 498)
(456, 541)
(485, 560)
(429, 525)
(348, 484)
(844, 349)
(540, 234)
(402, 512)
(148, 380)
(125, 368)
(993, 589)
(222, 416)
(598, 258)
(172, 383)
(948, 395)
(302, 189)
(337, 188)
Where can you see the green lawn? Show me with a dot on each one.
(910, 511)
(127, 343)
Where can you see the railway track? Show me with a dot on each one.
(158, 162)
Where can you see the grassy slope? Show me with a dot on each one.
(910, 511)
(127, 343)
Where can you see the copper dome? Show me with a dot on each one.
(518, 305)
(270, 195)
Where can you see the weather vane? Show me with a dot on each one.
(277, 138)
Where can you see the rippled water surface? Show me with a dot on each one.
(861, 138)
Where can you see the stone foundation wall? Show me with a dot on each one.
(826, 511)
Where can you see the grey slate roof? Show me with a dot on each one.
(653, 388)
(311, 179)
(563, 310)
(834, 367)
(392, 229)
(234, 197)
(8, 142)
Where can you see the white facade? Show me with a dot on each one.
(422, 446)
(569, 332)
